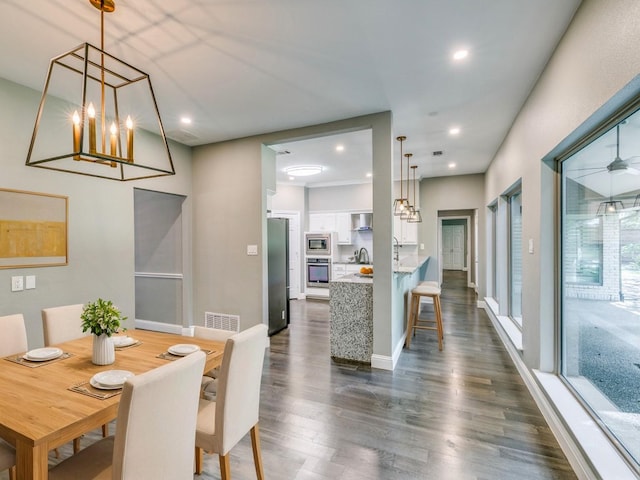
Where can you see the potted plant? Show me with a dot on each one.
(102, 318)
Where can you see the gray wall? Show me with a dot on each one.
(225, 278)
(597, 57)
(101, 225)
(463, 192)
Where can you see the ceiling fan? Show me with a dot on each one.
(618, 166)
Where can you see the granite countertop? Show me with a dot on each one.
(409, 264)
(341, 262)
(353, 278)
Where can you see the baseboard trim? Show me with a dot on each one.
(163, 327)
(384, 362)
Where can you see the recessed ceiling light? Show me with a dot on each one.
(292, 178)
(460, 54)
(454, 130)
(340, 148)
(452, 165)
(185, 120)
(303, 170)
(369, 174)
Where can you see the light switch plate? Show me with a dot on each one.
(252, 249)
(30, 282)
(17, 284)
(531, 245)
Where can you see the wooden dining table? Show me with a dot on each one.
(39, 412)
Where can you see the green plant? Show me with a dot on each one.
(101, 316)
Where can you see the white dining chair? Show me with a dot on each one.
(223, 423)
(155, 429)
(13, 340)
(210, 379)
(61, 324)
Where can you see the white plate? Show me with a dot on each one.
(43, 354)
(110, 379)
(123, 341)
(182, 349)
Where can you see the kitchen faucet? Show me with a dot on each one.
(396, 250)
(362, 257)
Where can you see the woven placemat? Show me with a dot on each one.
(171, 356)
(31, 364)
(85, 388)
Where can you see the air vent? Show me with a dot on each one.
(283, 152)
(222, 321)
(437, 153)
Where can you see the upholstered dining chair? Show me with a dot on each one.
(155, 429)
(61, 324)
(210, 379)
(13, 340)
(223, 423)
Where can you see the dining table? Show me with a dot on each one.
(44, 405)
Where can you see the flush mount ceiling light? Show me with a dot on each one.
(401, 203)
(460, 54)
(454, 130)
(106, 102)
(303, 170)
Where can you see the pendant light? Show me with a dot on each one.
(406, 213)
(401, 203)
(106, 103)
(415, 216)
(611, 206)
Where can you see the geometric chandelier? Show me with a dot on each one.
(98, 116)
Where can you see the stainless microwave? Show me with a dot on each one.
(318, 244)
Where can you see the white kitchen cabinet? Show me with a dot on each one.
(343, 227)
(405, 232)
(322, 222)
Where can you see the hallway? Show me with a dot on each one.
(463, 413)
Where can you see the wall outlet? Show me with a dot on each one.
(17, 284)
(252, 249)
(30, 282)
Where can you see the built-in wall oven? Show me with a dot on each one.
(318, 244)
(318, 272)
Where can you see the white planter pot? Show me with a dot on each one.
(103, 351)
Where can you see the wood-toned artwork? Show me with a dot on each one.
(33, 229)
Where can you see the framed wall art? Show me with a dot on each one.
(33, 229)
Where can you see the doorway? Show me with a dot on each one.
(455, 248)
(159, 265)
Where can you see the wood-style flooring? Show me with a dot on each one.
(463, 413)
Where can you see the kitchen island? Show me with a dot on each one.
(351, 308)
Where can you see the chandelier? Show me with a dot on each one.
(92, 106)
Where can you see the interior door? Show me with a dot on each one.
(453, 241)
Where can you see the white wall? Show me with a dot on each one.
(597, 57)
(100, 229)
(341, 198)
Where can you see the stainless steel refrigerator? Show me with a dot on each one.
(278, 273)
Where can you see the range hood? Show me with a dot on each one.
(364, 221)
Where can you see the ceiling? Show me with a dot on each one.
(245, 67)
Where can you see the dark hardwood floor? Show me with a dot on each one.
(463, 413)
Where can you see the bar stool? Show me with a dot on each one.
(433, 292)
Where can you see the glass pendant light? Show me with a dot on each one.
(401, 203)
(406, 213)
(415, 216)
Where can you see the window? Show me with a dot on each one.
(493, 209)
(600, 280)
(515, 257)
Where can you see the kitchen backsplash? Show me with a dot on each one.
(359, 239)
